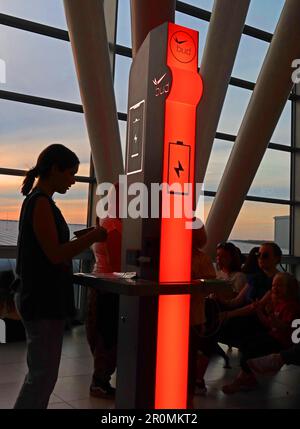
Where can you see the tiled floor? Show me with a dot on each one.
(280, 391)
(72, 388)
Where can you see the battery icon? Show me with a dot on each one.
(179, 167)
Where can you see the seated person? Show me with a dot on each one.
(276, 314)
(202, 268)
(251, 267)
(229, 266)
(240, 319)
(239, 315)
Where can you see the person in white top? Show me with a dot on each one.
(229, 266)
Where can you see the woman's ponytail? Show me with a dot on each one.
(29, 180)
(55, 154)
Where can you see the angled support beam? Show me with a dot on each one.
(88, 36)
(295, 180)
(271, 92)
(146, 15)
(222, 42)
(110, 15)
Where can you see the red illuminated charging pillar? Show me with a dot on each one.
(164, 91)
(176, 238)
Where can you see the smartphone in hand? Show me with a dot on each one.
(84, 231)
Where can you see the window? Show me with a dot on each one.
(249, 59)
(73, 206)
(202, 4)
(256, 222)
(272, 179)
(11, 197)
(44, 67)
(38, 65)
(282, 132)
(233, 111)
(27, 129)
(218, 158)
(123, 131)
(264, 14)
(124, 23)
(45, 12)
(122, 70)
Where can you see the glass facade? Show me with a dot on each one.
(42, 66)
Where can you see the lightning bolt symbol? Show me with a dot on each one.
(178, 169)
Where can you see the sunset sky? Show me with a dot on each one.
(42, 66)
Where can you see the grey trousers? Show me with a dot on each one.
(44, 345)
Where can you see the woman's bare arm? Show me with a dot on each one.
(239, 299)
(45, 230)
(250, 308)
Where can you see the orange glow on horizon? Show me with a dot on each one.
(255, 221)
(73, 208)
(74, 211)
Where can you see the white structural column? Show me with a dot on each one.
(222, 42)
(146, 15)
(110, 14)
(295, 191)
(87, 31)
(266, 104)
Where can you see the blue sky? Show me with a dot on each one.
(44, 67)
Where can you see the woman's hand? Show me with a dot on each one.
(99, 234)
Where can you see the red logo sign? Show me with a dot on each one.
(183, 46)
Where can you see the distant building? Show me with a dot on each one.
(282, 232)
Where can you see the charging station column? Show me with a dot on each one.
(164, 91)
(176, 232)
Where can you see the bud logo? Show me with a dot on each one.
(2, 71)
(183, 46)
(157, 82)
(2, 331)
(163, 89)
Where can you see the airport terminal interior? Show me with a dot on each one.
(64, 78)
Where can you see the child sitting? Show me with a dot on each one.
(276, 316)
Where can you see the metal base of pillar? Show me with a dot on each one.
(136, 352)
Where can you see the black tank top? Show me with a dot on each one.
(46, 289)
